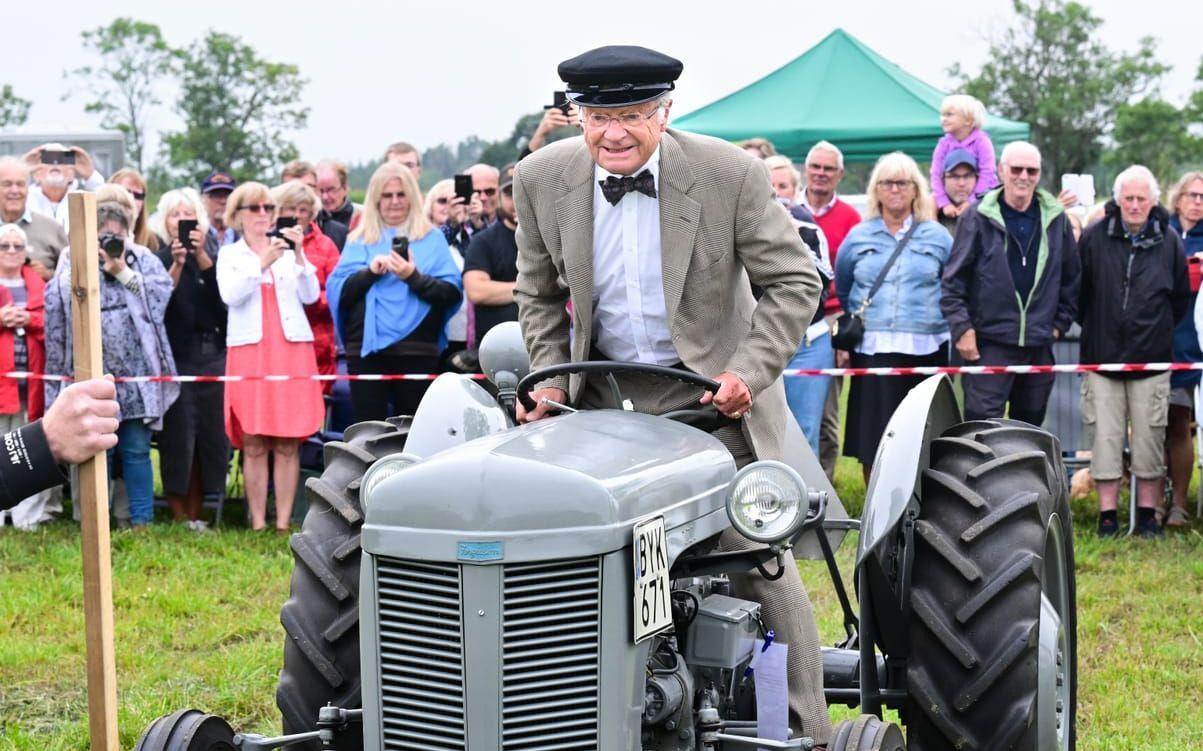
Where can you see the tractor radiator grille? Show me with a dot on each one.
(551, 634)
(421, 656)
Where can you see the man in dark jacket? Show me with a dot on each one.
(1134, 290)
(1010, 288)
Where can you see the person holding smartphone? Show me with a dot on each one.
(266, 281)
(59, 170)
(193, 450)
(392, 294)
(134, 293)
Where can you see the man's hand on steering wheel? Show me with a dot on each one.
(542, 408)
(733, 398)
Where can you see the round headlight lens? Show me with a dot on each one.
(767, 501)
(383, 469)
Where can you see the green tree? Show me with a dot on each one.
(134, 60)
(13, 109)
(237, 109)
(502, 152)
(1154, 133)
(1051, 71)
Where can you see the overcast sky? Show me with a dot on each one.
(439, 71)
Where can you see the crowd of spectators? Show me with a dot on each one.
(972, 262)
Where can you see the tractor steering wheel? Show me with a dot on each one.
(708, 415)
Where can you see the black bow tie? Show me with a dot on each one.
(614, 188)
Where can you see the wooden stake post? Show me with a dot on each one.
(93, 490)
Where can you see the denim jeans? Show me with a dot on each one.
(133, 445)
(806, 395)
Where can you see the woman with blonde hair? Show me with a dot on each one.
(132, 180)
(193, 448)
(266, 281)
(444, 210)
(900, 244)
(394, 290)
(296, 200)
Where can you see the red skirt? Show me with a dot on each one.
(280, 409)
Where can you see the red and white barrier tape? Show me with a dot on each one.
(1148, 367)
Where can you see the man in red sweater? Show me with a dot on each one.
(824, 170)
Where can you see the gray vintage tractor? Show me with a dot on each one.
(465, 583)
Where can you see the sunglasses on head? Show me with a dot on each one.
(1018, 171)
(259, 208)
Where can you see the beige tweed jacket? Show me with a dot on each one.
(720, 226)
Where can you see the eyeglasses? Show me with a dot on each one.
(392, 196)
(138, 195)
(628, 120)
(12, 247)
(259, 208)
(895, 184)
(968, 175)
(825, 168)
(443, 201)
(490, 192)
(1193, 196)
(1019, 171)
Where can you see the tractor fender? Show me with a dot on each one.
(926, 412)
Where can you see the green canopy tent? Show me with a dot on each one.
(840, 91)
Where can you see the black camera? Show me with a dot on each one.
(112, 245)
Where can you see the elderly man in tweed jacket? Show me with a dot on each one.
(652, 235)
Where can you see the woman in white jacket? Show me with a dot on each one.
(266, 284)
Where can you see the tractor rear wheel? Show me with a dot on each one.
(321, 615)
(992, 625)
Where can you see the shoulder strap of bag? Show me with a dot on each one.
(886, 269)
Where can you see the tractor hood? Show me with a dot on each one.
(563, 487)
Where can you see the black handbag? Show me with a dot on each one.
(849, 328)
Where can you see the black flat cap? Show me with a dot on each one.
(618, 75)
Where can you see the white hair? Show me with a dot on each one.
(1016, 147)
(1133, 173)
(827, 146)
(12, 161)
(483, 169)
(13, 229)
(170, 201)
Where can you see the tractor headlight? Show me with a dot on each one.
(383, 469)
(767, 501)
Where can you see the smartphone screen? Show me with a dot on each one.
(463, 187)
(185, 232)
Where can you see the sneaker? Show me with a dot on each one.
(197, 525)
(1149, 530)
(1108, 527)
(1178, 517)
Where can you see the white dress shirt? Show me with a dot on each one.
(37, 200)
(630, 317)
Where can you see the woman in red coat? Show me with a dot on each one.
(297, 200)
(22, 348)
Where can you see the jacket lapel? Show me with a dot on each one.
(679, 216)
(574, 213)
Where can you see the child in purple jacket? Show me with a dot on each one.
(962, 118)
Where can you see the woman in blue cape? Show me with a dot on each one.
(391, 301)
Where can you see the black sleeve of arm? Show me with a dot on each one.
(28, 465)
(357, 286)
(434, 291)
(1181, 298)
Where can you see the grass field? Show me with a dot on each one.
(197, 625)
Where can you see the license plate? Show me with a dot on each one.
(653, 610)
